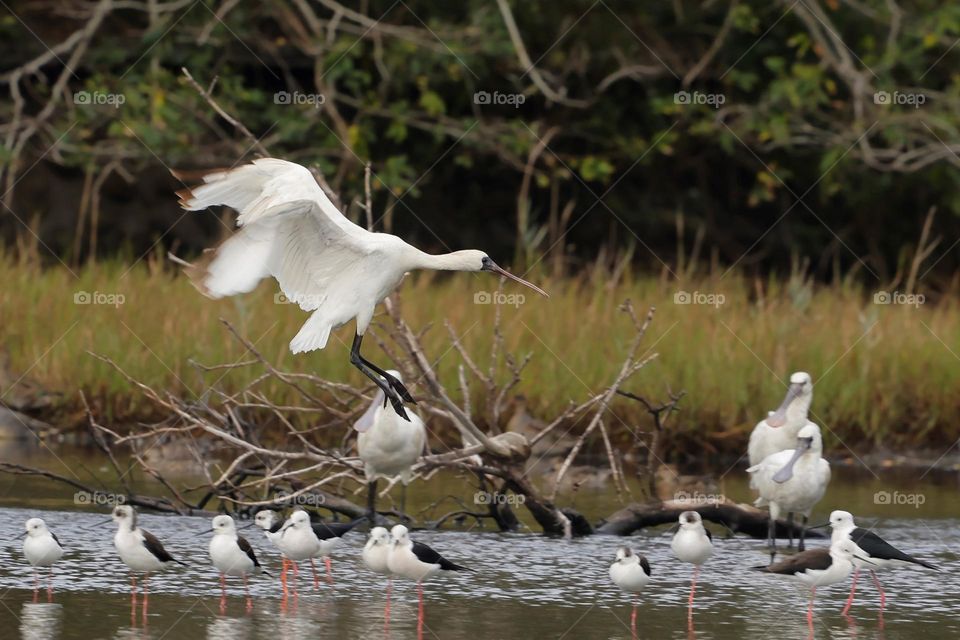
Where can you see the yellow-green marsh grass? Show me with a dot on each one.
(884, 373)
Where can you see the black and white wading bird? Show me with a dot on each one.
(793, 481)
(376, 554)
(41, 549)
(819, 567)
(232, 555)
(389, 446)
(323, 262)
(139, 550)
(416, 561)
(881, 554)
(692, 543)
(631, 572)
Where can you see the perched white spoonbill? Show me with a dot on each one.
(139, 549)
(631, 572)
(41, 548)
(692, 543)
(376, 555)
(416, 561)
(328, 265)
(232, 555)
(793, 480)
(882, 555)
(819, 567)
(778, 431)
(388, 445)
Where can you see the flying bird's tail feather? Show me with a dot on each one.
(313, 334)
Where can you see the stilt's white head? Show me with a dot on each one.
(123, 514)
(795, 403)
(299, 519)
(841, 522)
(691, 520)
(626, 556)
(401, 536)
(379, 536)
(265, 519)
(36, 527)
(224, 526)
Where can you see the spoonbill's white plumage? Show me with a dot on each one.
(323, 262)
(631, 572)
(41, 548)
(416, 561)
(388, 445)
(819, 567)
(376, 555)
(692, 543)
(779, 430)
(232, 555)
(139, 549)
(793, 480)
(880, 553)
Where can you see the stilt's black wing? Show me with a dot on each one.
(327, 530)
(247, 549)
(56, 539)
(816, 559)
(709, 535)
(276, 526)
(156, 548)
(877, 547)
(645, 565)
(428, 556)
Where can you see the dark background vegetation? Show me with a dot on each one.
(798, 163)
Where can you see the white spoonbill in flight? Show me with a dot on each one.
(323, 262)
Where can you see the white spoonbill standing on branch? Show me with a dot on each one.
(388, 446)
(323, 262)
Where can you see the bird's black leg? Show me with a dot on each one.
(803, 533)
(771, 538)
(357, 361)
(790, 530)
(372, 502)
(392, 381)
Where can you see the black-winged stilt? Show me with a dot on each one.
(416, 561)
(232, 555)
(819, 568)
(139, 550)
(41, 548)
(882, 554)
(692, 543)
(631, 572)
(376, 555)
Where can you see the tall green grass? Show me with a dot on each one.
(884, 374)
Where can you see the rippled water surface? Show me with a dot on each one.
(523, 586)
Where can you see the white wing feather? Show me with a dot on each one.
(290, 230)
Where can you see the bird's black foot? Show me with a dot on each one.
(401, 390)
(398, 405)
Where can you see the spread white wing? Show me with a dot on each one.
(290, 230)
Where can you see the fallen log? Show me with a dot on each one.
(737, 517)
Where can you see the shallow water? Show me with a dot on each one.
(523, 586)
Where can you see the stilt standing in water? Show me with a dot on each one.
(631, 572)
(376, 555)
(232, 555)
(692, 543)
(41, 549)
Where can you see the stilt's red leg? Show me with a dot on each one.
(283, 577)
(50, 584)
(223, 594)
(386, 608)
(133, 596)
(883, 594)
(296, 578)
(693, 591)
(420, 611)
(316, 580)
(813, 594)
(853, 591)
(36, 585)
(146, 595)
(329, 564)
(246, 591)
(633, 621)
